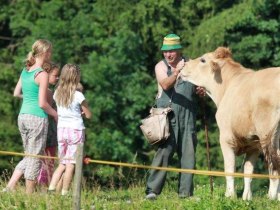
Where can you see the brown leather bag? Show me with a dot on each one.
(155, 127)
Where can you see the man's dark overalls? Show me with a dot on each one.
(182, 137)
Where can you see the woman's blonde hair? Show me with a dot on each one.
(39, 47)
(67, 85)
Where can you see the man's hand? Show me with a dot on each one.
(200, 91)
(180, 65)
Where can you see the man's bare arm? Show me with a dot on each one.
(162, 77)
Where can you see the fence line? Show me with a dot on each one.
(87, 160)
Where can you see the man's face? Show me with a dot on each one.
(172, 56)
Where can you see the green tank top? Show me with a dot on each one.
(30, 93)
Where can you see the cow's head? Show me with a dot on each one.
(207, 67)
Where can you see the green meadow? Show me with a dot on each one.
(133, 197)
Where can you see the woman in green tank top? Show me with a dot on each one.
(32, 86)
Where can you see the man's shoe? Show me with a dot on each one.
(151, 196)
(183, 196)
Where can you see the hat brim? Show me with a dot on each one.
(171, 47)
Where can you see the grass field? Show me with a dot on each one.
(134, 198)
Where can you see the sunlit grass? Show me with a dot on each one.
(134, 198)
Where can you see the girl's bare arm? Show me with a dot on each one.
(85, 109)
(42, 80)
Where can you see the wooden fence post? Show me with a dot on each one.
(78, 177)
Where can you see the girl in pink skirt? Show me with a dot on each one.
(71, 105)
(47, 168)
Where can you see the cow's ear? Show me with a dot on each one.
(222, 52)
(215, 66)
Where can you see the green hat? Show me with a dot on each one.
(171, 42)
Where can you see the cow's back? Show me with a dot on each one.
(250, 101)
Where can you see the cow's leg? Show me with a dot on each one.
(249, 163)
(229, 164)
(273, 184)
(278, 191)
(277, 146)
(274, 188)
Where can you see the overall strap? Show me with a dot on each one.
(168, 74)
(168, 67)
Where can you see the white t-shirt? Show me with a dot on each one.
(71, 117)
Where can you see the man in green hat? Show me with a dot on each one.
(182, 120)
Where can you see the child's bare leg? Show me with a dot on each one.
(30, 186)
(56, 176)
(59, 184)
(67, 178)
(17, 174)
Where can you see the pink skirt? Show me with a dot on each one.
(47, 168)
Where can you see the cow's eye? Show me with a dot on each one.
(202, 60)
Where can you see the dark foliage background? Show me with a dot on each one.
(117, 44)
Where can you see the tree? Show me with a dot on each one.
(117, 44)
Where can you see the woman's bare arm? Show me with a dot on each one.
(18, 89)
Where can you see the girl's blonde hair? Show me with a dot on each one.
(50, 66)
(39, 47)
(67, 85)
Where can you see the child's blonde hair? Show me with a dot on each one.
(67, 85)
(50, 66)
(38, 48)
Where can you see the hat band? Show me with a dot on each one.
(171, 42)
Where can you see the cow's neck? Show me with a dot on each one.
(216, 90)
(215, 93)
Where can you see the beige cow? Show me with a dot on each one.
(248, 113)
